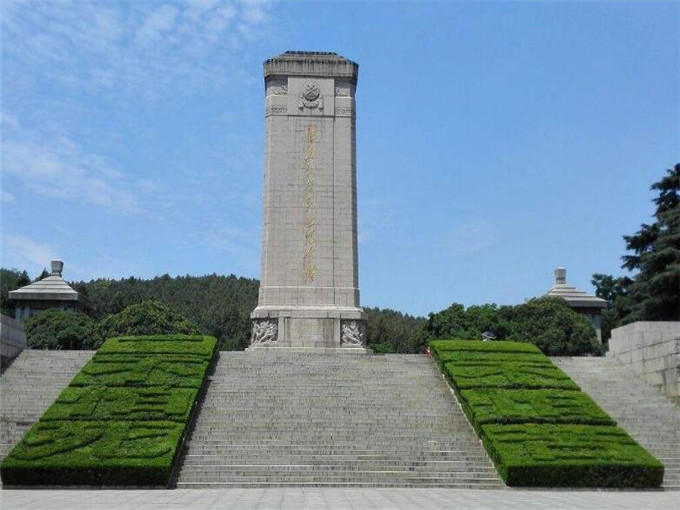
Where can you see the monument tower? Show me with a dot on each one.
(309, 287)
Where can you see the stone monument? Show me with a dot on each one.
(309, 287)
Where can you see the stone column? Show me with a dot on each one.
(309, 288)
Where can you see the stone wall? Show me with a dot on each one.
(12, 339)
(651, 349)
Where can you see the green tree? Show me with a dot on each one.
(60, 329)
(547, 322)
(468, 324)
(44, 274)
(554, 327)
(614, 290)
(219, 305)
(11, 279)
(146, 318)
(654, 293)
(392, 331)
(610, 288)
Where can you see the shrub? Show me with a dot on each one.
(554, 327)
(94, 453)
(490, 356)
(122, 418)
(533, 455)
(475, 345)
(60, 329)
(196, 345)
(511, 374)
(537, 426)
(548, 322)
(103, 403)
(533, 406)
(151, 371)
(383, 348)
(146, 318)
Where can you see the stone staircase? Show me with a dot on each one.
(297, 419)
(29, 385)
(652, 419)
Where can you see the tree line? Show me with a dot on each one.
(220, 305)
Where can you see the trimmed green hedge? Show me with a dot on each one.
(537, 426)
(489, 356)
(127, 404)
(532, 455)
(195, 345)
(94, 453)
(150, 370)
(122, 418)
(533, 406)
(512, 374)
(472, 345)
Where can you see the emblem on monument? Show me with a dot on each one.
(353, 333)
(264, 332)
(310, 97)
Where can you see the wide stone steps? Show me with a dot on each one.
(385, 478)
(415, 484)
(281, 419)
(649, 417)
(29, 386)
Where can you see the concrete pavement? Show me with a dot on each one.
(336, 499)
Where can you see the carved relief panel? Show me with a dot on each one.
(310, 96)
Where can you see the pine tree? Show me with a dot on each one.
(655, 291)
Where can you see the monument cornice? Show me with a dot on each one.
(312, 64)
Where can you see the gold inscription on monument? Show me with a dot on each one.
(310, 204)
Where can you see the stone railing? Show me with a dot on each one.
(651, 349)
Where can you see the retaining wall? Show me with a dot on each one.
(651, 349)
(12, 339)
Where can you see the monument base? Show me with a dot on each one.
(320, 328)
(311, 350)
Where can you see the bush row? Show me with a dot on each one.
(122, 418)
(537, 426)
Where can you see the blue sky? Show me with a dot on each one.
(495, 140)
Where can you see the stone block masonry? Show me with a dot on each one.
(309, 291)
(12, 339)
(652, 350)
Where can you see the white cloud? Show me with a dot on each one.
(20, 251)
(61, 169)
(242, 245)
(473, 237)
(231, 239)
(254, 11)
(7, 197)
(129, 47)
(157, 23)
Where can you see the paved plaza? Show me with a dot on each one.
(346, 499)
